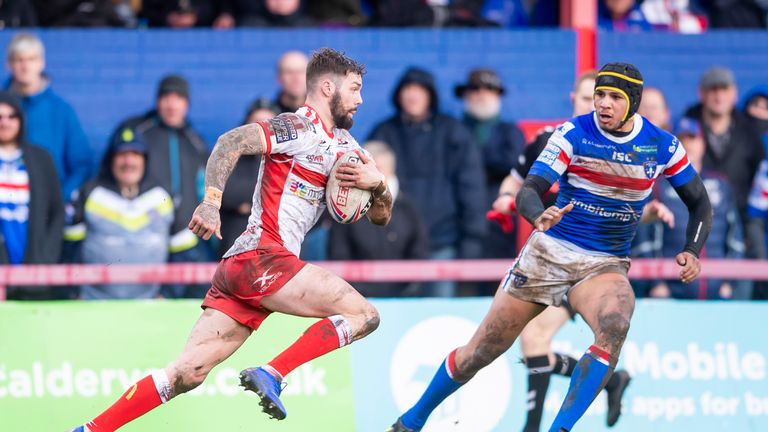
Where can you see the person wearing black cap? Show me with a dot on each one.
(236, 201)
(726, 240)
(31, 205)
(606, 162)
(122, 216)
(176, 157)
(440, 167)
(733, 145)
(500, 143)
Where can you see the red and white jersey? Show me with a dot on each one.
(289, 198)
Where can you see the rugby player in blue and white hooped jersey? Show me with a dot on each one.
(606, 162)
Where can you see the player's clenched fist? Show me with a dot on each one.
(690, 266)
(551, 217)
(206, 221)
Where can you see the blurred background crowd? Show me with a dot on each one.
(131, 202)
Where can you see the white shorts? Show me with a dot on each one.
(547, 269)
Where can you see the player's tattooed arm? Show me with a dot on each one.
(248, 139)
(381, 209)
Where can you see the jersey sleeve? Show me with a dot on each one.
(288, 134)
(556, 156)
(678, 169)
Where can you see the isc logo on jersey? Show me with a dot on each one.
(622, 157)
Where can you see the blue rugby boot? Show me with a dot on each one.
(267, 387)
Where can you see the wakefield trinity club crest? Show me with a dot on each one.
(649, 167)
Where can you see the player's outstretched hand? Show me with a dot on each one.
(206, 221)
(363, 175)
(655, 210)
(690, 266)
(551, 217)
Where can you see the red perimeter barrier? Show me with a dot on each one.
(353, 271)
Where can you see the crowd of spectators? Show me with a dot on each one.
(136, 207)
(685, 16)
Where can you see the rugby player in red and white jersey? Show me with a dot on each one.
(262, 273)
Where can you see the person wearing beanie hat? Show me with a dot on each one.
(31, 205)
(606, 162)
(440, 167)
(176, 157)
(122, 215)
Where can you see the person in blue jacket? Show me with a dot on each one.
(51, 122)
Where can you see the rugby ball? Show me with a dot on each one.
(346, 204)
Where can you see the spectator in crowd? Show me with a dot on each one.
(755, 106)
(389, 13)
(122, 217)
(291, 75)
(17, 13)
(31, 207)
(733, 145)
(51, 122)
(176, 157)
(281, 13)
(404, 238)
(231, 13)
(177, 13)
(736, 14)
(621, 15)
(237, 201)
(72, 13)
(726, 240)
(679, 16)
(653, 106)
(337, 12)
(440, 167)
(500, 142)
(506, 13)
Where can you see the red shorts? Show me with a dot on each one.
(242, 280)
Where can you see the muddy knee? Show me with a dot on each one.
(367, 321)
(612, 330)
(475, 359)
(186, 378)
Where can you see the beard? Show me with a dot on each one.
(341, 117)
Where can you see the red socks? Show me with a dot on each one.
(321, 338)
(144, 396)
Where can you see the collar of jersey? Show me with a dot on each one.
(620, 140)
(312, 113)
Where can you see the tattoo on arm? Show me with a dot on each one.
(381, 209)
(247, 139)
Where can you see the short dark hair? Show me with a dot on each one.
(329, 61)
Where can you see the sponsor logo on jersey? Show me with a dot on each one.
(284, 128)
(622, 157)
(645, 148)
(598, 144)
(302, 190)
(550, 154)
(316, 159)
(649, 167)
(627, 213)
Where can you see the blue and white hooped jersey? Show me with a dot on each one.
(608, 179)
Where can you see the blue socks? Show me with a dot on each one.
(442, 386)
(590, 376)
